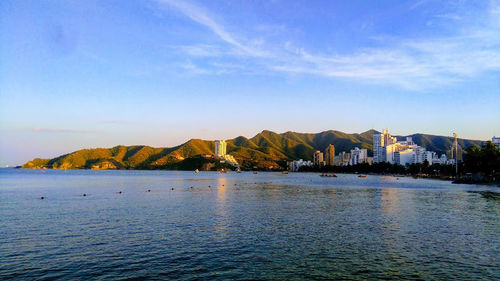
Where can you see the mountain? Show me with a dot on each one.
(266, 149)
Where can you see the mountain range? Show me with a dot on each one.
(266, 149)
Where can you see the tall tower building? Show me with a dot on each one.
(378, 145)
(318, 158)
(380, 141)
(220, 148)
(329, 154)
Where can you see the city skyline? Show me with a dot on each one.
(75, 75)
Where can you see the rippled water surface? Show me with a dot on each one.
(267, 226)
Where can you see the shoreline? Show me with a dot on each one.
(450, 179)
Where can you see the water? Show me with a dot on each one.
(267, 226)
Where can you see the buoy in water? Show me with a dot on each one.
(85, 194)
(42, 197)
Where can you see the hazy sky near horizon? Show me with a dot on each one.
(80, 74)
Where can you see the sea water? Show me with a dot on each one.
(268, 226)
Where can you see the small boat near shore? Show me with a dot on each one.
(361, 176)
(328, 175)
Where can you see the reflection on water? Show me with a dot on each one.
(390, 199)
(221, 211)
(267, 226)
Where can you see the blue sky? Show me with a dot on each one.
(80, 74)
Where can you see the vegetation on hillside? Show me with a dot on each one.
(263, 151)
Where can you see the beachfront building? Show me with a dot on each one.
(496, 141)
(329, 154)
(427, 156)
(220, 148)
(388, 149)
(443, 160)
(380, 141)
(318, 158)
(358, 156)
(294, 166)
(342, 159)
(220, 152)
(404, 157)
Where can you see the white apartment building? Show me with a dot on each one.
(380, 141)
(358, 156)
(220, 148)
(220, 152)
(388, 149)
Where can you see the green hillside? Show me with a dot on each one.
(266, 149)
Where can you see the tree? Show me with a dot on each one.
(485, 159)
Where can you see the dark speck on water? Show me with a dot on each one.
(298, 227)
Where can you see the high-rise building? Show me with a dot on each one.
(318, 158)
(220, 148)
(404, 157)
(388, 149)
(358, 156)
(342, 159)
(329, 154)
(380, 141)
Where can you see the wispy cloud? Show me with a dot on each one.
(449, 16)
(200, 16)
(117, 122)
(193, 68)
(201, 50)
(61, 130)
(412, 64)
(418, 4)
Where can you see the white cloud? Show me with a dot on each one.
(412, 64)
(200, 16)
(201, 50)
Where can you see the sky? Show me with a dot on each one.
(84, 74)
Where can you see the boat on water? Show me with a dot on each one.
(285, 172)
(238, 171)
(361, 176)
(328, 175)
